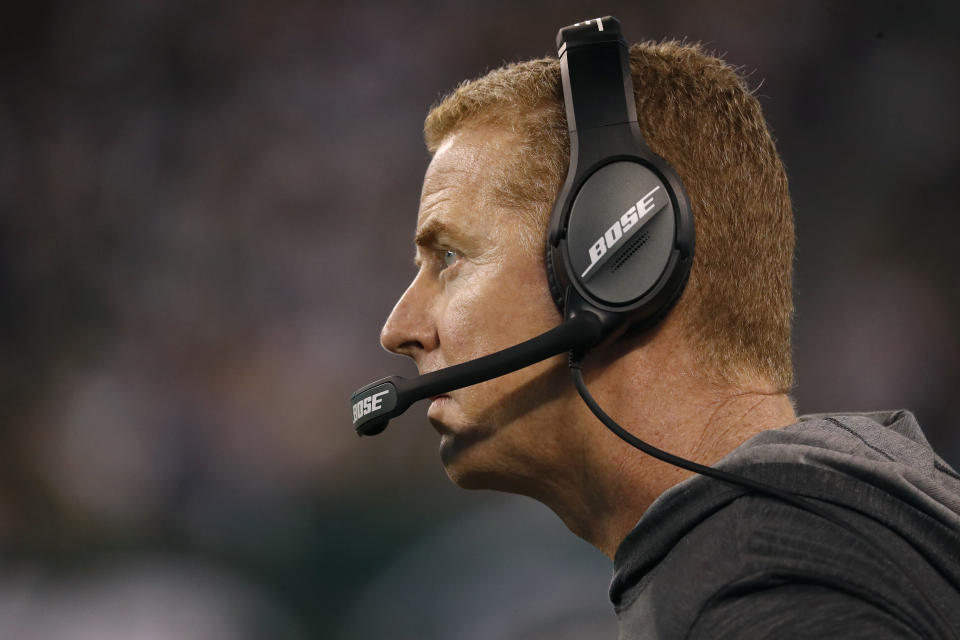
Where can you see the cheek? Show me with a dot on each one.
(536, 290)
(529, 294)
(496, 307)
(468, 326)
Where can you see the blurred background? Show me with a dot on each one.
(205, 216)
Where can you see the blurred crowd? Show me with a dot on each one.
(205, 216)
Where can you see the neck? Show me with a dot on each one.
(602, 497)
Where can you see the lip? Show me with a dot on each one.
(435, 410)
(438, 400)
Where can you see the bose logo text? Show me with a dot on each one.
(368, 405)
(634, 216)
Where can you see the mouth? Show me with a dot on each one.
(436, 405)
(434, 412)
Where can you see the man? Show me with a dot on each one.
(693, 556)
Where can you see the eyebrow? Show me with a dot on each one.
(427, 234)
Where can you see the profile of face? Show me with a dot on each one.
(481, 287)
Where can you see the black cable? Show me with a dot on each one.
(683, 463)
(719, 474)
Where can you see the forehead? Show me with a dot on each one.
(465, 171)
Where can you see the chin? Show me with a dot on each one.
(473, 463)
(466, 478)
(474, 479)
(459, 461)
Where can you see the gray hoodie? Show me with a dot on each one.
(712, 560)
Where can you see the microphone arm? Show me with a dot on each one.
(376, 403)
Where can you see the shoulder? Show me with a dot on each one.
(709, 556)
(759, 567)
(795, 610)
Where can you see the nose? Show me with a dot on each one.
(409, 329)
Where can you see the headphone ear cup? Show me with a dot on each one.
(626, 242)
(620, 234)
(557, 289)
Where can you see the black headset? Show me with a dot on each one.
(620, 242)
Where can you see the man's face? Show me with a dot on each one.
(480, 287)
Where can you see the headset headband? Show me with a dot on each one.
(593, 60)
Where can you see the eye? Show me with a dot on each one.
(450, 258)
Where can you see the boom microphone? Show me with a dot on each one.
(375, 404)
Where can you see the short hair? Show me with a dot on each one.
(695, 111)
